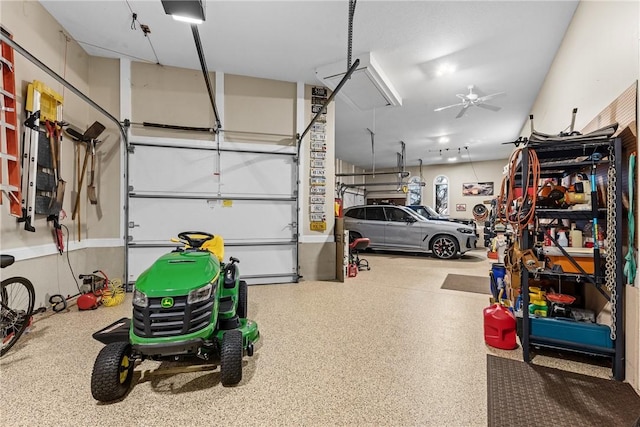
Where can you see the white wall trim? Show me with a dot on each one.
(30, 252)
(316, 239)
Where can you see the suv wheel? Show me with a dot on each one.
(444, 247)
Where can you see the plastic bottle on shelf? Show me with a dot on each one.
(562, 238)
(551, 232)
(575, 236)
(588, 234)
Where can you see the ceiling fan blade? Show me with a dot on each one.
(449, 106)
(462, 111)
(462, 96)
(493, 95)
(489, 107)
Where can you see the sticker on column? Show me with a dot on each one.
(319, 91)
(320, 200)
(317, 217)
(318, 180)
(318, 226)
(318, 127)
(316, 108)
(320, 189)
(318, 146)
(318, 136)
(316, 100)
(316, 208)
(317, 163)
(318, 155)
(318, 172)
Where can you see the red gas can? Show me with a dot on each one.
(352, 270)
(499, 327)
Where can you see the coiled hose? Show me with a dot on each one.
(519, 212)
(113, 294)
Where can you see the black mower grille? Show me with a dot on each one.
(157, 322)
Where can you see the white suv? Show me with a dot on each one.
(400, 228)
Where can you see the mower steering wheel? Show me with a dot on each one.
(195, 239)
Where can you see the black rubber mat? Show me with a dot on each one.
(520, 394)
(464, 283)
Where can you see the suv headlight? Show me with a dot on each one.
(465, 230)
(200, 294)
(140, 299)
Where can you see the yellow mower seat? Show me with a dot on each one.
(215, 246)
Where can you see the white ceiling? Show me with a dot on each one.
(497, 46)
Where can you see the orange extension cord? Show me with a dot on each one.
(514, 213)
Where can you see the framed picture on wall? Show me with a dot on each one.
(477, 189)
(461, 207)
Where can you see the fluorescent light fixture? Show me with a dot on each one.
(191, 11)
(443, 140)
(452, 159)
(187, 19)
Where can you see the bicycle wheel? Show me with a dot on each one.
(17, 297)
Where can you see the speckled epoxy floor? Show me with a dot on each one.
(388, 347)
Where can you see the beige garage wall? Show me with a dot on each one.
(170, 95)
(103, 220)
(259, 110)
(44, 39)
(597, 61)
(97, 78)
(457, 174)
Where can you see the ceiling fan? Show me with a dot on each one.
(473, 99)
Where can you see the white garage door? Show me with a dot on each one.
(247, 196)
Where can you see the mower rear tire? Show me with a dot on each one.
(242, 300)
(112, 372)
(231, 358)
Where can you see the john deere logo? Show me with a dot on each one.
(167, 302)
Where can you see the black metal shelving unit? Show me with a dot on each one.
(558, 160)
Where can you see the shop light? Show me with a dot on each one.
(191, 11)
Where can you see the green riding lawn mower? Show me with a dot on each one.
(187, 304)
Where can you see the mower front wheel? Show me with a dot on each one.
(231, 358)
(112, 372)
